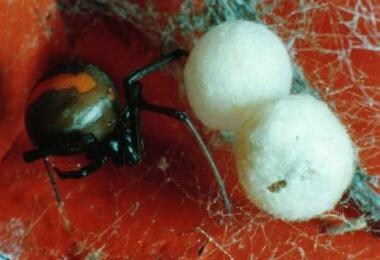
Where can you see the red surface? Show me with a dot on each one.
(139, 212)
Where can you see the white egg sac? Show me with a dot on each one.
(295, 159)
(233, 68)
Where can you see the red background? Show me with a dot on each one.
(146, 211)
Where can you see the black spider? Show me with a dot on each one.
(75, 109)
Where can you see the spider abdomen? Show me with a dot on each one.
(71, 101)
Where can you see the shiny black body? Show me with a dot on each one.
(64, 114)
(114, 133)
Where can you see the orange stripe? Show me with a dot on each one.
(82, 82)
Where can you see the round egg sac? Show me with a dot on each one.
(233, 68)
(295, 159)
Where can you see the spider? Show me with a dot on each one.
(76, 109)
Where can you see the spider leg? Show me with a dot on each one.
(130, 145)
(53, 183)
(184, 118)
(82, 172)
(135, 103)
(140, 73)
(127, 144)
(74, 147)
(134, 145)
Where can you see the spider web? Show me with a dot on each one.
(335, 46)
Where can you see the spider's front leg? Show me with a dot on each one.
(128, 145)
(97, 152)
(84, 171)
(136, 103)
(77, 145)
(158, 64)
(185, 119)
